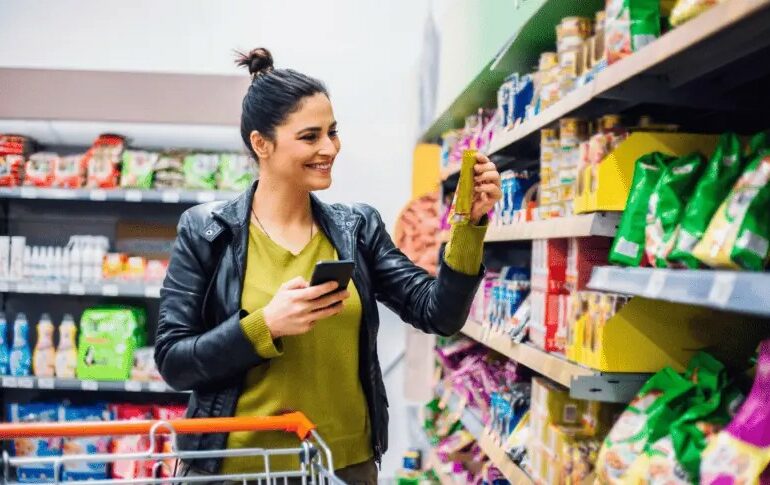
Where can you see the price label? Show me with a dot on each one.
(133, 386)
(10, 382)
(89, 385)
(170, 196)
(158, 386)
(655, 284)
(133, 195)
(46, 383)
(98, 195)
(110, 290)
(28, 193)
(152, 292)
(53, 288)
(599, 278)
(4, 287)
(26, 382)
(77, 289)
(66, 194)
(206, 196)
(722, 288)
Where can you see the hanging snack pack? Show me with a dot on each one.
(666, 205)
(723, 169)
(739, 233)
(628, 246)
(629, 26)
(91, 445)
(646, 420)
(138, 168)
(103, 161)
(236, 172)
(200, 171)
(31, 447)
(109, 336)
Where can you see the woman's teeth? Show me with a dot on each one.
(321, 166)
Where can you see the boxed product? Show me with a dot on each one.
(548, 320)
(109, 336)
(583, 253)
(90, 445)
(30, 447)
(549, 265)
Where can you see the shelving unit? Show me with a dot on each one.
(116, 289)
(435, 464)
(736, 291)
(59, 384)
(116, 195)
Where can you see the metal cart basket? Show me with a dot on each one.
(315, 458)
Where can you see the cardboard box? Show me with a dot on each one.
(549, 265)
(583, 254)
(548, 323)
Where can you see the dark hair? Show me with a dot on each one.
(273, 95)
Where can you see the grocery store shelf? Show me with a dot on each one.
(104, 288)
(693, 53)
(597, 224)
(584, 383)
(743, 292)
(50, 383)
(497, 455)
(435, 464)
(117, 195)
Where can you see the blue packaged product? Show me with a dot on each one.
(30, 447)
(504, 96)
(91, 445)
(20, 361)
(522, 97)
(5, 350)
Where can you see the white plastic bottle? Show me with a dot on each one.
(98, 263)
(34, 270)
(75, 273)
(27, 266)
(64, 267)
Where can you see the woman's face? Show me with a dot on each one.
(305, 146)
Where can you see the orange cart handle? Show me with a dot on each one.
(296, 423)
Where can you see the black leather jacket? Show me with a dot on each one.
(200, 345)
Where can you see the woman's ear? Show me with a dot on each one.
(261, 145)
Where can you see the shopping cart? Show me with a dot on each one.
(315, 458)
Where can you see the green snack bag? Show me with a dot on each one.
(629, 26)
(107, 341)
(200, 171)
(738, 236)
(628, 246)
(236, 172)
(137, 169)
(758, 143)
(646, 420)
(667, 204)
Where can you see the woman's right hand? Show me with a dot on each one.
(297, 306)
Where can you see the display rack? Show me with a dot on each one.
(108, 289)
(435, 464)
(116, 195)
(61, 384)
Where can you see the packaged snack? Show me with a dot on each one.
(572, 131)
(66, 352)
(20, 362)
(723, 169)
(103, 161)
(11, 170)
(236, 172)
(741, 452)
(5, 349)
(628, 246)
(685, 10)
(646, 420)
(128, 469)
(109, 337)
(44, 356)
(629, 26)
(21, 447)
(40, 168)
(666, 205)
(144, 368)
(739, 233)
(200, 171)
(155, 270)
(168, 413)
(86, 445)
(70, 172)
(138, 168)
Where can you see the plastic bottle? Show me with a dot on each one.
(5, 350)
(67, 353)
(21, 355)
(44, 356)
(98, 263)
(58, 255)
(27, 265)
(64, 267)
(75, 273)
(86, 266)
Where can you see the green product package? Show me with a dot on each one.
(667, 204)
(629, 26)
(723, 169)
(108, 338)
(137, 169)
(738, 235)
(646, 420)
(200, 171)
(236, 172)
(628, 246)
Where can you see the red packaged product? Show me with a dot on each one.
(103, 161)
(11, 170)
(168, 413)
(40, 168)
(70, 172)
(549, 265)
(129, 469)
(583, 253)
(548, 320)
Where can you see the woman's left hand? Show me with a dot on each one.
(486, 188)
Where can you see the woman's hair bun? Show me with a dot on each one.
(257, 61)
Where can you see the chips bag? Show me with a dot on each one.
(628, 246)
(200, 171)
(646, 420)
(666, 205)
(138, 168)
(738, 235)
(629, 26)
(236, 172)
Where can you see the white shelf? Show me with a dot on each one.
(115, 289)
(737, 291)
(48, 384)
(585, 225)
(166, 196)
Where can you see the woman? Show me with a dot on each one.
(241, 327)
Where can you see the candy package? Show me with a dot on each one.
(685, 10)
(236, 172)
(138, 168)
(11, 170)
(103, 161)
(70, 172)
(200, 171)
(666, 205)
(723, 169)
(629, 26)
(30, 447)
(739, 233)
(86, 445)
(646, 420)
(40, 168)
(628, 246)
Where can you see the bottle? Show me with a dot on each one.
(75, 273)
(20, 361)
(58, 257)
(27, 265)
(98, 264)
(4, 349)
(44, 356)
(67, 353)
(86, 259)
(64, 268)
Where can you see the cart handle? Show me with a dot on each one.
(295, 422)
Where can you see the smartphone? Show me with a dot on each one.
(339, 271)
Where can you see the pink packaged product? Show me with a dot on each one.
(740, 454)
(549, 265)
(128, 469)
(583, 253)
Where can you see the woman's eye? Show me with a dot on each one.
(333, 133)
(309, 138)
